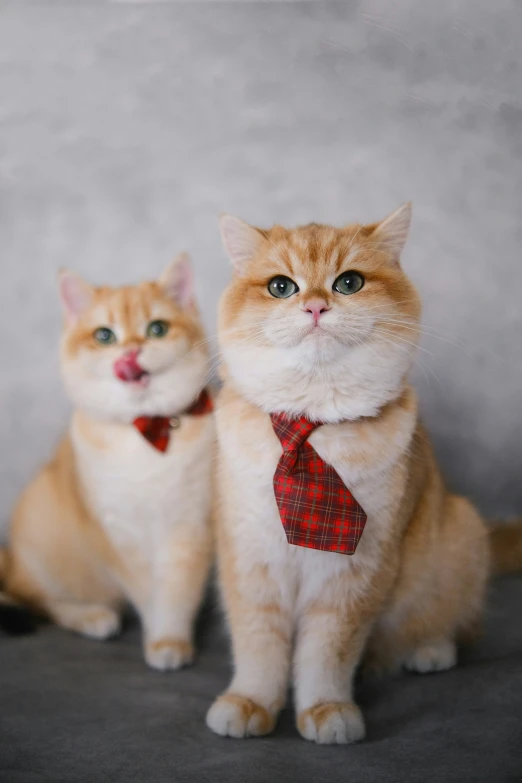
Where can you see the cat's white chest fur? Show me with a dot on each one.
(140, 495)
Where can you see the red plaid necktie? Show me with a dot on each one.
(157, 429)
(317, 509)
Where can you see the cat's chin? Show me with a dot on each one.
(160, 391)
(294, 337)
(317, 335)
(327, 380)
(319, 343)
(327, 342)
(138, 384)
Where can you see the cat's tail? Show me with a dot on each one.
(506, 547)
(15, 619)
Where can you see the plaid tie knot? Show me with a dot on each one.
(317, 510)
(292, 433)
(157, 429)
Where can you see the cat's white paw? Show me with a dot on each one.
(95, 622)
(169, 653)
(101, 624)
(435, 657)
(332, 723)
(233, 715)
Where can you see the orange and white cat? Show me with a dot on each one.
(322, 322)
(112, 518)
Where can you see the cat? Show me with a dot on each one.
(122, 512)
(322, 323)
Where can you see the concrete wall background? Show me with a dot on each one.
(126, 128)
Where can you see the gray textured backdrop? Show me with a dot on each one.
(126, 128)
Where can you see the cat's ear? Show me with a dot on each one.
(177, 281)
(75, 293)
(241, 241)
(392, 232)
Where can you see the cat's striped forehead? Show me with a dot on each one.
(314, 250)
(128, 310)
(128, 305)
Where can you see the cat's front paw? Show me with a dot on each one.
(332, 723)
(169, 653)
(233, 715)
(93, 621)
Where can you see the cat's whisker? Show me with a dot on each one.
(423, 333)
(212, 339)
(390, 306)
(380, 330)
(426, 368)
(420, 325)
(355, 236)
(215, 336)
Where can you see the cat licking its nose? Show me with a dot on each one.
(122, 511)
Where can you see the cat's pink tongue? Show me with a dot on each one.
(127, 368)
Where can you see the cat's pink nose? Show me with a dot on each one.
(127, 368)
(316, 307)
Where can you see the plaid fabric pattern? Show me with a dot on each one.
(157, 429)
(317, 509)
(202, 406)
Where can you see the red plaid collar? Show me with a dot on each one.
(157, 429)
(316, 508)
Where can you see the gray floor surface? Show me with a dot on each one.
(79, 711)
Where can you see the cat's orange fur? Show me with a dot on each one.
(110, 519)
(416, 583)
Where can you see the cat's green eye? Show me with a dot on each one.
(157, 329)
(348, 283)
(104, 336)
(282, 287)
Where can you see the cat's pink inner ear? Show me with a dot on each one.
(178, 281)
(75, 293)
(241, 241)
(392, 232)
